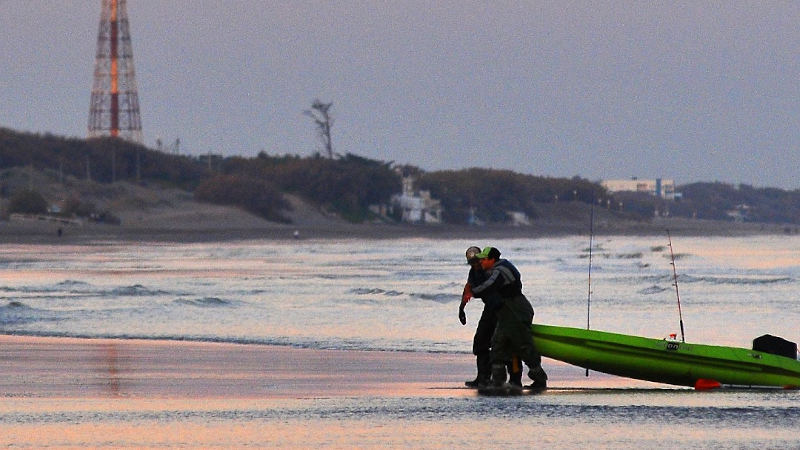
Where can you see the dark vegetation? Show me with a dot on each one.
(716, 200)
(252, 194)
(92, 158)
(492, 193)
(347, 185)
(27, 202)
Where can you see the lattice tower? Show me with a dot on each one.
(114, 107)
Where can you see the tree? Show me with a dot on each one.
(320, 113)
(27, 202)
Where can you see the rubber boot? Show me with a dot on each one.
(515, 372)
(539, 377)
(483, 379)
(498, 375)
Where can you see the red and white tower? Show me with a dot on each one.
(114, 107)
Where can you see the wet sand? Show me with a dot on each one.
(67, 392)
(41, 367)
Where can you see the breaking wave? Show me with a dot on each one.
(18, 313)
(438, 298)
(71, 287)
(709, 279)
(375, 291)
(204, 302)
(136, 290)
(733, 280)
(652, 290)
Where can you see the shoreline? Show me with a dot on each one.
(195, 231)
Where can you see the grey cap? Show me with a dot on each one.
(472, 253)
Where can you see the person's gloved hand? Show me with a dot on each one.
(462, 316)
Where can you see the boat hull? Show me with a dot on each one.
(665, 361)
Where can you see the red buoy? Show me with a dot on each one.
(705, 384)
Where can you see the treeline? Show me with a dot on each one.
(491, 194)
(347, 185)
(720, 201)
(103, 159)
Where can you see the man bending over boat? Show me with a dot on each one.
(482, 342)
(514, 318)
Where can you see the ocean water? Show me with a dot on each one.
(396, 294)
(403, 295)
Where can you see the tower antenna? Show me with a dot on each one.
(114, 105)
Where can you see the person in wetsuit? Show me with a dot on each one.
(482, 342)
(514, 318)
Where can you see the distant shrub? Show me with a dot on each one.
(252, 194)
(73, 206)
(27, 202)
(105, 217)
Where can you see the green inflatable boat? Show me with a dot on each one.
(669, 361)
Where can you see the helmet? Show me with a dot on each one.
(472, 252)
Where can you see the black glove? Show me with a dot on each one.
(462, 316)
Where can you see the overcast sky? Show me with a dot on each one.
(694, 91)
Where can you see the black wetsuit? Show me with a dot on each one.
(482, 342)
(514, 318)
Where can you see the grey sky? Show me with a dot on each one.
(695, 91)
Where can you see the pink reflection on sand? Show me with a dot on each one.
(68, 367)
(110, 353)
(87, 368)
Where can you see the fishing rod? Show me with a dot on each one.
(675, 283)
(589, 295)
(591, 238)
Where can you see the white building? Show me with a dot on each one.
(658, 187)
(518, 218)
(417, 206)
